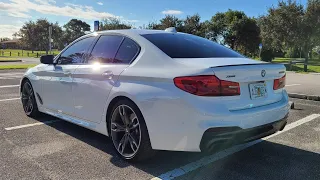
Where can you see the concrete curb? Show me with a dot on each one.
(6, 61)
(304, 96)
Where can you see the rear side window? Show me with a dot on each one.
(127, 51)
(105, 49)
(178, 45)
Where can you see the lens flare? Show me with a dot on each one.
(96, 66)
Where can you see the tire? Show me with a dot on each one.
(118, 128)
(28, 100)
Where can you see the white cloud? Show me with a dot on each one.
(21, 8)
(172, 12)
(7, 30)
(45, 2)
(100, 3)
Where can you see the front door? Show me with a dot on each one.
(57, 84)
(93, 82)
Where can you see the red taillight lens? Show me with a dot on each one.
(279, 83)
(207, 86)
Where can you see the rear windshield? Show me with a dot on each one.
(178, 45)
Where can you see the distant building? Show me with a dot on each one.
(11, 44)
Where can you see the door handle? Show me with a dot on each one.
(67, 73)
(108, 74)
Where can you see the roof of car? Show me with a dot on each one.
(135, 31)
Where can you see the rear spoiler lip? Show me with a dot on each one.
(246, 64)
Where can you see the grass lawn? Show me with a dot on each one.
(16, 66)
(23, 53)
(313, 64)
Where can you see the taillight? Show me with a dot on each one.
(279, 83)
(207, 86)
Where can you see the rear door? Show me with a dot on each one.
(94, 80)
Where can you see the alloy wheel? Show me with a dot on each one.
(125, 131)
(27, 98)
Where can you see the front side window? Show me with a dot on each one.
(105, 49)
(178, 45)
(75, 52)
(127, 52)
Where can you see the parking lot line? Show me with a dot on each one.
(292, 85)
(8, 86)
(10, 74)
(29, 125)
(222, 154)
(11, 77)
(11, 99)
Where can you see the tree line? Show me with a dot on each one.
(288, 29)
(34, 35)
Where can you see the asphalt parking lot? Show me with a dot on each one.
(48, 148)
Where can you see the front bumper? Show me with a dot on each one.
(221, 137)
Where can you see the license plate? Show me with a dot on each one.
(258, 90)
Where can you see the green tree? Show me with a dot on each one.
(74, 29)
(247, 35)
(235, 29)
(281, 27)
(154, 25)
(114, 23)
(290, 26)
(35, 35)
(191, 24)
(223, 26)
(311, 31)
(166, 22)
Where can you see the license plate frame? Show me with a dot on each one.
(258, 90)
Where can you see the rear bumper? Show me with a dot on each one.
(222, 137)
(179, 124)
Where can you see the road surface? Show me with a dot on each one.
(308, 84)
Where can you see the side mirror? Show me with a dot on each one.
(47, 59)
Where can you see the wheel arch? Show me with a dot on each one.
(110, 106)
(24, 79)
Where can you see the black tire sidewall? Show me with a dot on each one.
(34, 111)
(145, 144)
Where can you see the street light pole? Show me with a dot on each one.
(50, 33)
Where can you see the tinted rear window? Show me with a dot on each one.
(178, 45)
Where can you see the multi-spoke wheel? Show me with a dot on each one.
(129, 132)
(28, 99)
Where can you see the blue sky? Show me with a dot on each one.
(13, 13)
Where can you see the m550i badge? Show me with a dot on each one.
(231, 76)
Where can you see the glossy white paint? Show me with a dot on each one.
(57, 84)
(175, 119)
(90, 80)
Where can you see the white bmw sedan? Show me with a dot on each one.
(158, 90)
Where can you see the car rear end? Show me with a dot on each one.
(229, 100)
(249, 99)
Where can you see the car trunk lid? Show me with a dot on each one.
(255, 78)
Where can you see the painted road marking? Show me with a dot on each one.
(222, 154)
(12, 99)
(292, 85)
(8, 86)
(11, 77)
(30, 125)
(311, 105)
(10, 74)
